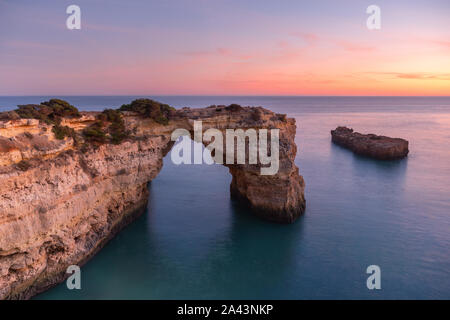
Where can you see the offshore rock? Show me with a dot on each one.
(370, 145)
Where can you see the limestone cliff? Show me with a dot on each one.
(59, 205)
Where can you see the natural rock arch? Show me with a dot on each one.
(278, 197)
(65, 204)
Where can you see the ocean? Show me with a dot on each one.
(194, 242)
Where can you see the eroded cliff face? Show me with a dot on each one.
(59, 205)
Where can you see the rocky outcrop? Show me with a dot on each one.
(59, 205)
(370, 145)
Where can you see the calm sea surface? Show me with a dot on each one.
(196, 243)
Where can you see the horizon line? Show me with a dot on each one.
(217, 95)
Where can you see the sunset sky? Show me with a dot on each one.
(225, 47)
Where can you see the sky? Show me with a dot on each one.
(225, 47)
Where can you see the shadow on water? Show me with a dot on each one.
(235, 255)
(258, 257)
(362, 164)
(372, 183)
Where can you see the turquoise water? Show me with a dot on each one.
(194, 242)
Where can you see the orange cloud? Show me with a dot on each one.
(416, 76)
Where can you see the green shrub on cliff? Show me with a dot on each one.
(9, 115)
(61, 108)
(117, 132)
(110, 115)
(50, 112)
(109, 127)
(116, 129)
(148, 108)
(95, 133)
(33, 111)
(62, 131)
(234, 107)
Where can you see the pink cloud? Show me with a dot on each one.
(442, 43)
(33, 45)
(215, 52)
(354, 47)
(310, 38)
(108, 28)
(313, 38)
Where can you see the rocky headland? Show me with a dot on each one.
(370, 145)
(71, 180)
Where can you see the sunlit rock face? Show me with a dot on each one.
(59, 205)
(370, 145)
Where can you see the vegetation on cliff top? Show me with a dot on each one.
(50, 112)
(63, 131)
(95, 133)
(234, 107)
(109, 126)
(148, 108)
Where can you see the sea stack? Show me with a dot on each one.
(370, 145)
